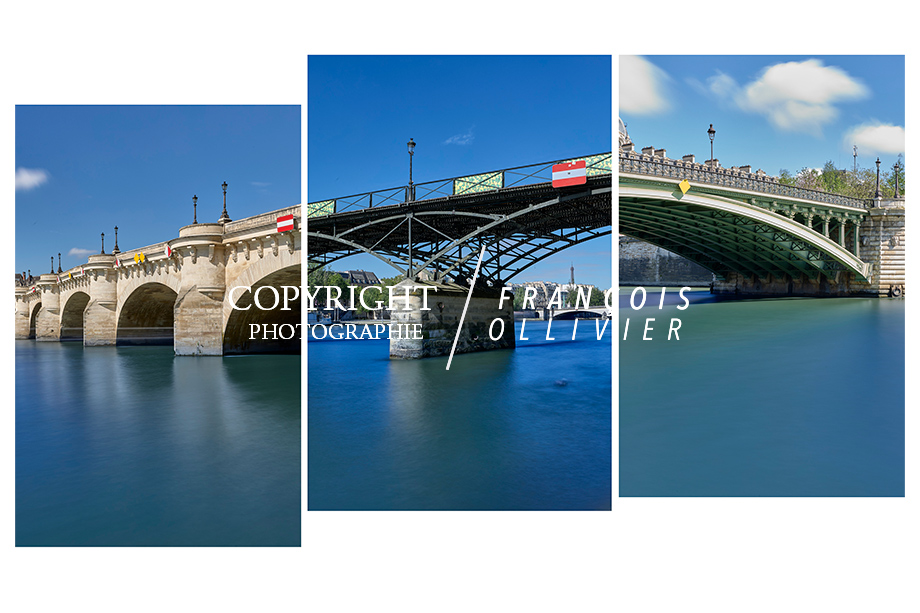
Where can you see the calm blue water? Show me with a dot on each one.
(133, 446)
(786, 397)
(495, 432)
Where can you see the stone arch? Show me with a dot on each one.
(72, 316)
(131, 281)
(36, 307)
(146, 315)
(237, 328)
(579, 314)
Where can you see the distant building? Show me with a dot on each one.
(360, 278)
(545, 290)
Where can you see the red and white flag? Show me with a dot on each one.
(117, 262)
(570, 173)
(286, 222)
(168, 251)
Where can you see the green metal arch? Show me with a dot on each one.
(821, 255)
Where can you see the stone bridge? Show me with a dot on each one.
(596, 312)
(177, 292)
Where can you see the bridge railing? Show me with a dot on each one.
(643, 164)
(596, 164)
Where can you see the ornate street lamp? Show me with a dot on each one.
(712, 137)
(897, 171)
(115, 250)
(52, 264)
(195, 209)
(410, 196)
(60, 270)
(878, 165)
(224, 218)
(103, 243)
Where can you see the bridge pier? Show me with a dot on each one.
(430, 333)
(22, 314)
(99, 320)
(198, 312)
(882, 243)
(48, 320)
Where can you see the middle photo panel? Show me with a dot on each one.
(459, 283)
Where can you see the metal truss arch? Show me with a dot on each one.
(518, 227)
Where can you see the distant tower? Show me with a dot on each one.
(572, 277)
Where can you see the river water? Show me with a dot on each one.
(528, 428)
(134, 446)
(779, 397)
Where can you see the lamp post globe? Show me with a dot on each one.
(712, 136)
(878, 165)
(411, 147)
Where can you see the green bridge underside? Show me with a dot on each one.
(743, 233)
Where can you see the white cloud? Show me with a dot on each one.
(722, 85)
(461, 139)
(643, 86)
(793, 96)
(30, 178)
(876, 138)
(80, 252)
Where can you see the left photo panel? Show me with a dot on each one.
(158, 352)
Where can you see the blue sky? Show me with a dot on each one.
(467, 114)
(81, 170)
(771, 112)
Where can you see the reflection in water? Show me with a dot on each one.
(133, 446)
(785, 397)
(494, 432)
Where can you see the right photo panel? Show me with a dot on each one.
(762, 275)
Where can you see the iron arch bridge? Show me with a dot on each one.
(440, 226)
(738, 223)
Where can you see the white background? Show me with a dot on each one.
(646, 554)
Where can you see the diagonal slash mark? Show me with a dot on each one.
(482, 252)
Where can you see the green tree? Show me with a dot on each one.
(809, 178)
(785, 177)
(597, 297)
(323, 278)
(519, 299)
(858, 184)
(833, 179)
(888, 180)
